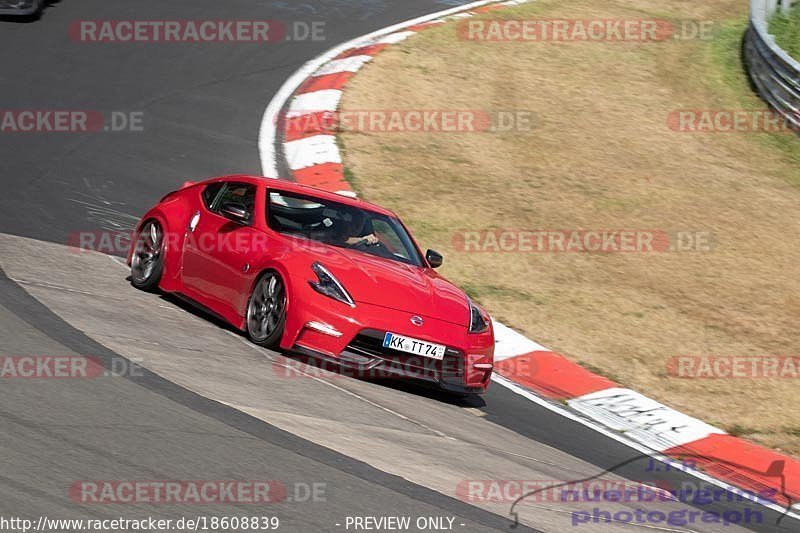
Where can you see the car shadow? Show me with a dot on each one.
(197, 310)
(432, 392)
(312, 367)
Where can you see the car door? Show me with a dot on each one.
(216, 255)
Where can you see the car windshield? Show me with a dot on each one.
(341, 225)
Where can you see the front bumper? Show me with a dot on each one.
(18, 7)
(353, 340)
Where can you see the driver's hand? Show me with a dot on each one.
(370, 239)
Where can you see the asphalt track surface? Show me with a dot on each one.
(204, 404)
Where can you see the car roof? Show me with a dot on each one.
(292, 187)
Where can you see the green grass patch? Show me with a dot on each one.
(738, 430)
(786, 29)
(594, 369)
(480, 291)
(730, 81)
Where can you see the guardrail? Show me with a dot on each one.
(774, 73)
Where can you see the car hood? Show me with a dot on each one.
(386, 283)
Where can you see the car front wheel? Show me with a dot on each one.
(147, 263)
(266, 311)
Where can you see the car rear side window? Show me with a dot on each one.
(238, 193)
(211, 193)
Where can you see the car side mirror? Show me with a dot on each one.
(434, 258)
(234, 211)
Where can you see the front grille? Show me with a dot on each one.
(369, 344)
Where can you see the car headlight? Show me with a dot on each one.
(478, 319)
(328, 285)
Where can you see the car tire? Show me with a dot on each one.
(266, 310)
(147, 261)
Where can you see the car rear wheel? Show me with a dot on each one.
(147, 263)
(266, 311)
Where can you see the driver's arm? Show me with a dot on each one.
(368, 239)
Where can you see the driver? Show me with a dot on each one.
(354, 228)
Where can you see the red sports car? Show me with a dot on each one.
(317, 273)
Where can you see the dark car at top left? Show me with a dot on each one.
(22, 8)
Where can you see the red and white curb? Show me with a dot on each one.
(521, 364)
(318, 87)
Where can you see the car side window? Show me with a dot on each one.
(238, 193)
(211, 193)
(388, 236)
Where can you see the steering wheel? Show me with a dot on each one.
(378, 249)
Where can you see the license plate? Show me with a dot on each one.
(415, 346)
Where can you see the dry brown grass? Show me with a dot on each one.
(602, 157)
